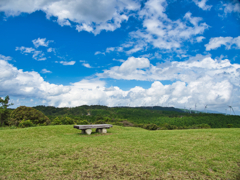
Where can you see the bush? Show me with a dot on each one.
(127, 123)
(82, 122)
(23, 112)
(26, 123)
(100, 122)
(13, 127)
(151, 127)
(67, 120)
(199, 126)
(56, 121)
(162, 128)
(229, 125)
(118, 123)
(169, 126)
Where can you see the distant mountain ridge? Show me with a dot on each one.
(82, 110)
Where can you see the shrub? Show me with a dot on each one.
(163, 128)
(107, 119)
(100, 122)
(169, 126)
(26, 123)
(67, 120)
(56, 121)
(13, 127)
(23, 112)
(83, 122)
(151, 127)
(127, 123)
(118, 123)
(229, 125)
(199, 126)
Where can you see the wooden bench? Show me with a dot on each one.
(87, 129)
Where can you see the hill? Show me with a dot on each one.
(142, 115)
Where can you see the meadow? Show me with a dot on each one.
(62, 152)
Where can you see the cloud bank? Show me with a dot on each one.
(200, 80)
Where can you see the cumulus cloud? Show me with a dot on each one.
(84, 27)
(5, 58)
(197, 68)
(66, 63)
(202, 4)
(160, 31)
(229, 42)
(91, 15)
(44, 71)
(133, 68)
(209, 82)
(200, 39)
(41, 42)
(16, 82)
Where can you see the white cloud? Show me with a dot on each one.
(63, 22)
(84, 27)
(50, 50)
(41, 42)
(67, 62)
(110, 49)
(5, 58)
(28, 84)
(229, 42)
(208, 81)
(86, 65)
(37, 55)
(234, 6)
(197, 68)
(25, 50)
(200, 38)
(119, 60)
(44, 71)
(99, 52)
(161, 32)
(202, 4)
(91, 15)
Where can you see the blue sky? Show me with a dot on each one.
(68, 53)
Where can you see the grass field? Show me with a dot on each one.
(61, 152)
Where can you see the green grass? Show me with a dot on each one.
(61, 152)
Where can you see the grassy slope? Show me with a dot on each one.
(61, 152)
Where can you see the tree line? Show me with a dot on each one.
(156, 117)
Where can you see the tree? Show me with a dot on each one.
(3, 109)
(23, 113)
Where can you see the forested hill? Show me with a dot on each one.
(83, 110)
(140, 115)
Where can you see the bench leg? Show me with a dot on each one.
(83, 131)
(99, 130)
(88, 131)
(104, 130)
